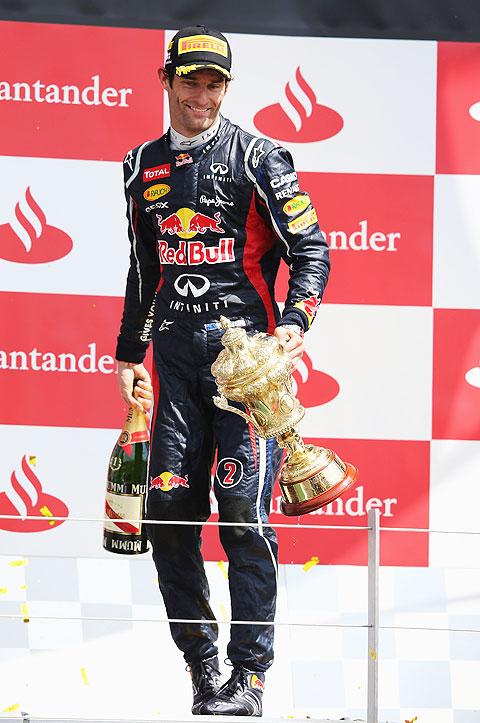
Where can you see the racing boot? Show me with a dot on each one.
(205, 676)
(241, 695)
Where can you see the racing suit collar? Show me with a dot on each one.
(179, 142)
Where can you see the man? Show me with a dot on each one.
(210, 210)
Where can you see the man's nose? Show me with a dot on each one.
(202, 95)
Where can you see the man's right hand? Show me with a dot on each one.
(129, 373)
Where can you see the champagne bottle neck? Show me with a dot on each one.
(135, 428)
(136, 421)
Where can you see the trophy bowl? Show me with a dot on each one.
(256, 372)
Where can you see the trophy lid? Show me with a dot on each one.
(244, 358)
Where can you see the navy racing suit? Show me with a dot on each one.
(207, 229)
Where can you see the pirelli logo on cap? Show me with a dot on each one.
(194, 43)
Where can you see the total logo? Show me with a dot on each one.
(186, 223)
(298, 117)
(30, 239)
(25, 498)
(167, 481)
(152, 174)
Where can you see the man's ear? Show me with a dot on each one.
(163, 77)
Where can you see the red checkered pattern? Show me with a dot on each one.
(385, 136)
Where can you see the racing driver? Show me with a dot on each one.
(211, 210)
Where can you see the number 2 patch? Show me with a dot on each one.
(229, 472)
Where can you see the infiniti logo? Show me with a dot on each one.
(194, 284)
(219, 168)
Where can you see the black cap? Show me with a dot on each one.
(198, 47)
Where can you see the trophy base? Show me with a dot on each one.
(294, 509)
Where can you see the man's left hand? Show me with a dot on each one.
(291, 341)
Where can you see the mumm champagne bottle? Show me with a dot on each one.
(127, 488)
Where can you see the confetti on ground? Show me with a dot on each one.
(24, 611)
(33, 459)
(223, 612)
(84, 675)
(3, 590)
(47, 513)
(413, 720)
(22, 587)
(313, 561)
(17, 563)
(373, 654)
(223, 568)
(11, 708)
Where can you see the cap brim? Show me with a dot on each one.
(192, 67)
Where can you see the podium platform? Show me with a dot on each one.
(25, 718)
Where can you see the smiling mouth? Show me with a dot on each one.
(197, 110)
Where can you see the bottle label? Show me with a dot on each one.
(126, 437)
(123, 507)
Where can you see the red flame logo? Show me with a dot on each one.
(47, 243)
(299, 119)
(313, 387)
(27, 498)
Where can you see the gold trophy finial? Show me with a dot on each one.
(256, 371)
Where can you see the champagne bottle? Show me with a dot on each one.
(127, 488)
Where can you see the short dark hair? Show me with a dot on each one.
(169, 72)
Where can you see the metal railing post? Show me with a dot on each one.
(373, 574)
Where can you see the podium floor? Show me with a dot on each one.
(25, 718)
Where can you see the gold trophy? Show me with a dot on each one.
(255, 371)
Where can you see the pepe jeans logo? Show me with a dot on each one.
(32, 240)
(299, 119)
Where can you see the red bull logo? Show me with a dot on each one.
(168, 481)
(309, 307)
(182, 159)
(186, 223)
(255, 682)
(197, 253)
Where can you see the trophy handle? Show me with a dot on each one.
(222, 403)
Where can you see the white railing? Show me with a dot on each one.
(372, 625)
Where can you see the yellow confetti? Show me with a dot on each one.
(11, 708)
(47, 513)
(17, 563)
(3, 590)
(223, 612)
(22, 587)
(373, 654)
(33, 459)
(223, 568)
(84, 675)
(311, 563)
(24, 611)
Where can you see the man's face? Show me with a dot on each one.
(194, 100)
